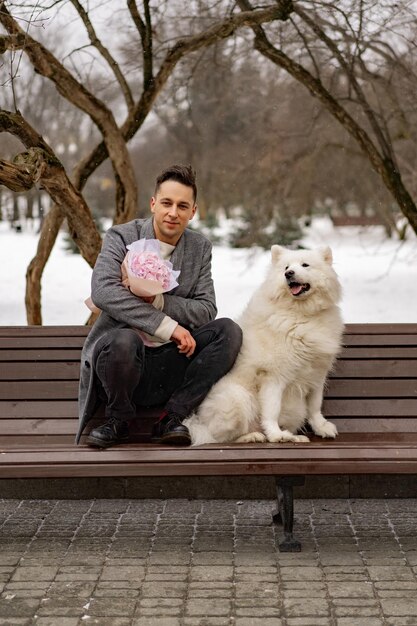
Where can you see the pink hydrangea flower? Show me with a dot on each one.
(150, 266)
(145, 272)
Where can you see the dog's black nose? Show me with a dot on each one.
(289, 274)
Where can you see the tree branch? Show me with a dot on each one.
(145, 32)
(383, 164)
(380, 47)
(24, 172)
(216, 32)
(96, 42)
(40, 164)
(48, 66)
(12, 42)
(382, 139)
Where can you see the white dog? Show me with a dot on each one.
(292, 330)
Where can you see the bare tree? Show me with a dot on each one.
(156, 68)
(263, 147)
(352, 37)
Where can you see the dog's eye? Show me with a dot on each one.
(305, 265)
(286, 267)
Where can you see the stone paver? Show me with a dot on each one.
(206, 563)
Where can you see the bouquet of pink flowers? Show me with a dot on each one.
(144, 272)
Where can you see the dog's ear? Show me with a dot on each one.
(327, 255)
(276, 252)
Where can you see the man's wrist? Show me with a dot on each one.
(166, 328)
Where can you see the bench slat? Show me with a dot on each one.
(38, 408)
(61, 331)
(36, 443)
(375, 425)
(370, 368)
(77, 330)
(380, 340)
(42, 390)
(350, 454)
(354, 441)
(44, 331)
(346, 440)
(60, 390)
(70, 369)
(301, 467)
(373, 333)
(352, 388)
(359, 407)
(53, 355)
(387, 328)
(65, 429)
(53, 427)
(61, 426)
(378, 352)
(39, 341)
(65, 370)
(38, 426)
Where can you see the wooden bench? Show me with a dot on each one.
(371, 396)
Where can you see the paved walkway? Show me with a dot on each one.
(206, 563)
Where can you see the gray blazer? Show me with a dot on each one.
(192, 303)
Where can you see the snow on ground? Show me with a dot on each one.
(379, 276)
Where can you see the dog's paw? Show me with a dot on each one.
(255, 437)
(326, 430)
(301, 439)
(286, 436)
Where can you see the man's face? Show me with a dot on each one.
(173, 207)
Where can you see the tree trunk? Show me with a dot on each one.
(50, 228)
(39, 208)
(393, 181)
(30, 197)
(40, 165)
(15, 214)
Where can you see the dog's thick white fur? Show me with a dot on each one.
(292, 330)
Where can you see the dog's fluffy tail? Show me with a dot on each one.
(227, 413)
(200, 434)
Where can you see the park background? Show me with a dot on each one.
(379, 276)
(299, 118)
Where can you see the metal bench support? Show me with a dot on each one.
(285, 514)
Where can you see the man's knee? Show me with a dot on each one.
(230, 331)
(231, 337)
(122, 344)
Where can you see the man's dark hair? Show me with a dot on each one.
(183, 174)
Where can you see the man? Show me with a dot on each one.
(165, 350)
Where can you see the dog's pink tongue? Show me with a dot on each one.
(296, 289)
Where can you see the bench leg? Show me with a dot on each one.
(285, 514)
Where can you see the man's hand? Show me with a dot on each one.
(184, 340)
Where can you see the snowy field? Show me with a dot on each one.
(379, 276)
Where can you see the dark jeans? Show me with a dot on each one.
(131, 374)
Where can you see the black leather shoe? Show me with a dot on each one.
(111, 433)
(170, 430)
